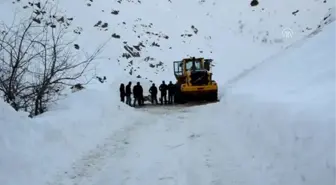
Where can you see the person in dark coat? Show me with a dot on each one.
(163, 89)
(138, 94)
(142, 99)
(171, 92)
(122, 92)
(128, 93)
(153, 91)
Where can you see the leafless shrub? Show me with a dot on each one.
(38, 60)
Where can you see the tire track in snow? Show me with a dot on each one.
(85, 168)
(220, 165)
(151, 159)
(171, 149)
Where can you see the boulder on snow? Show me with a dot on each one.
(254, 3)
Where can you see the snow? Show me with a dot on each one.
(290, 113)
(223, 29)
(38, 147)
(275, 123)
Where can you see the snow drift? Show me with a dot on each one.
(282, 114)
(35, 149)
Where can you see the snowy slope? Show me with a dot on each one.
(32, 150)
(274, 125)
(162, 31)
(284, 118)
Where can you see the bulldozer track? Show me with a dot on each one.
(84, 169)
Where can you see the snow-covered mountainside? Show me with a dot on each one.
(275, 123)
(273, 126)
(147, 36)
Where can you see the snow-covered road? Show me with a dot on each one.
(162, 149)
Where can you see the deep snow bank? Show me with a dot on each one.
(20, 139)
(33, 150)
(281, 116)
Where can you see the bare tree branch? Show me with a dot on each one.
(37, 60)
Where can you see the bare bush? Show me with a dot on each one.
(38, 60)
(15, 57)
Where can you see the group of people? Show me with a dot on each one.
(137, 91)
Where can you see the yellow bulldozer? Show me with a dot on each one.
(194, 81)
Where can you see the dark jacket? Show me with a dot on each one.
(163, 88)
(171, 88)
(128, 90)
(122, 90)
(153, 90)
(137, 91)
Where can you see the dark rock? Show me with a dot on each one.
(295, 12)
(194, 29)
(115, 12)
(254, 3)
(97, 24)
(115, 36)
(76, 46)
(105, 25)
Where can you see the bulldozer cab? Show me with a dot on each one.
(191, 64)
(207, 64)
(178, 68)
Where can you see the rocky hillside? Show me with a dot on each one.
(144, 37)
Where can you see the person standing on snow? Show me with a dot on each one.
(138, 94)
(122, 92)
(163, 89)
(128, 93)
(153, 91)
(171, 92)
(142, 99)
